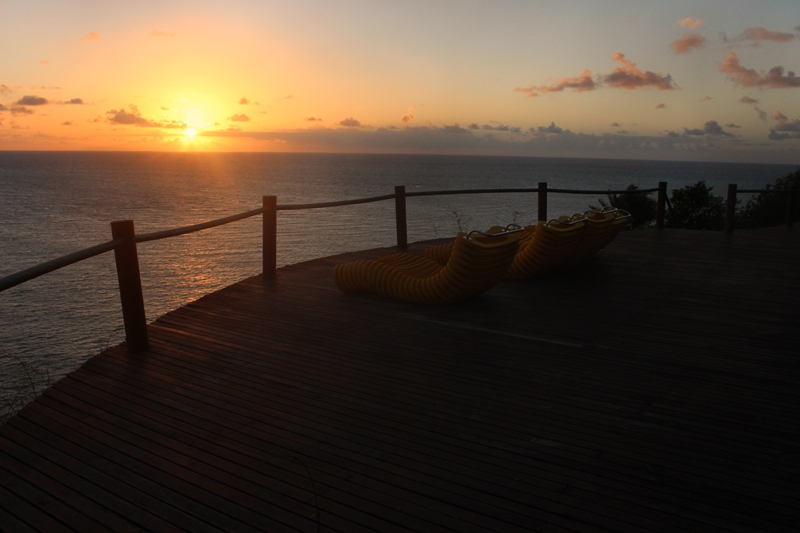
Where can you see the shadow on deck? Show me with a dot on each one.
(654, 388)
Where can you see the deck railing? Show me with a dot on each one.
(730, 204)
(125, 239)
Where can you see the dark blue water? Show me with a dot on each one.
(53, 203)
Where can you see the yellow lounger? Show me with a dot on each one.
(601, 228)
(543, 247)
(441, 253)
(551, 244)
(478, 262)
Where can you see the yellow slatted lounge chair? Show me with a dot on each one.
(549, 246)
(601, 228)
(622, 220)
(543, 247)
(441, 253)
(478, 262)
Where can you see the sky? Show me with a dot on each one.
(702, 80)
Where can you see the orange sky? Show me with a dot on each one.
(709, 80)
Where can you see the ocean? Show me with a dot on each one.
(54, 203)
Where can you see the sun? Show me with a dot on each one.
(190, 133)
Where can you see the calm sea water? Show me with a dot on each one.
(53, 203)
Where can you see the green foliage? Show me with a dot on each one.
(639, 204)
(769, 209)
(695, 207)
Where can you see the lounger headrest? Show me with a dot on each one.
(486, 238)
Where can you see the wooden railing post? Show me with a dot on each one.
(542, 201)
(661, 204)
(400, 215)
(270, 237)
(790, 203)
(130, 286)
(730, 213)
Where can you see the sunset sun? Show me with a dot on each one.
(190, 133)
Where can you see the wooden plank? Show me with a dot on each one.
(637, 391)
(234, 387)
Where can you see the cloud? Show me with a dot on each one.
(775, 136)
(134, 118)
(711, 127)
(629, 77)
(758, 34)
(159, 33)
(552, 128)
(74, 101)
(691, 23)
(784, 129)
(5, 89)
(732, 126)
(313, 119)
(616, 125)
(687, 43)
(31, 100)
(793, 126)
(454, 139)
(3, 108)
(706, 99)
(239, 118)
(172, 125)
(455, 128)
(661, 106)
(91, 36)
(288, 97)
(409, 116)
(44, 62)
(68, 123)
(350, 123)
(164, 108)
(244, 101)
(19, 110)
(579, 84)
(752, 101)
(774, 79)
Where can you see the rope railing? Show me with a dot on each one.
(763, 191)
(165, 234)
(525, 190)
(54, 264)
(41, 269)
(125, 240)
(730, 204)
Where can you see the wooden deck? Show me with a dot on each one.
(655, 388)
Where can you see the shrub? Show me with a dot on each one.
(769, 209)
(694, 207)
(639, 204)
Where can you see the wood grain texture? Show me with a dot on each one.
(653, 388)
